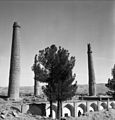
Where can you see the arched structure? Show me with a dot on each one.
(83, 107)
(54, 107)
(54, 110)
(104, 105)
(71, 109)
(112, 105)
(94, 106)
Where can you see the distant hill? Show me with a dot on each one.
(101, 89)
(82, 89)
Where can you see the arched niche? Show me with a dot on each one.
(70, 108)
(83, 107)
(54, 111)
(104, 105)
(94, 106)
(112, 105)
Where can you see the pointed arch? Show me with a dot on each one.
(112, 105)
(83, 107)
(54, 107)
(71, 109)
(54, 110)
(104, 105)
(94, 106)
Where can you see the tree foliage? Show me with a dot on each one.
(111, 83)
(57, 69)
(41, 74)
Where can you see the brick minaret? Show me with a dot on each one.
(14, 75)
(36, 82)
(92, 84)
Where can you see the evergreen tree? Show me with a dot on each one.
(111, 83)
(60, 81)
(41, 68)
(40, 74)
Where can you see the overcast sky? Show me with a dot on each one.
(70, 24)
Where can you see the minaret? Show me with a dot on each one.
(92, 84)
(36, 82)
(14, 75)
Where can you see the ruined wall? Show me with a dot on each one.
(35, 109)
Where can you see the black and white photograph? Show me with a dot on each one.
(57, 59)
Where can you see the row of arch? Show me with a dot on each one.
(70, 110)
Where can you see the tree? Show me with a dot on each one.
(48, 91)
(40, 74)
(111, 83)
(41, 70)
(60, 80)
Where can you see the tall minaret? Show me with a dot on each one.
(92, 84)
(14, 75)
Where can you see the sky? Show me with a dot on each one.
(71, 24)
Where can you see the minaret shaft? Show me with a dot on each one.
(36, 82)
(36, 88)
(92, 84)
(14, 76)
